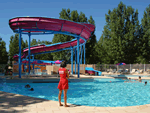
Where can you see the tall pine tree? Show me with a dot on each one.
(144, 38)
(120, 35)
(3, 53)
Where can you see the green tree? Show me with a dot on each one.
(46, 56)
(102, 52)
(120, 35)
(14, 46)
(33, 42)
(91, 54)
(74, 16)
(3, 53)
(26, 43)
(144, 38)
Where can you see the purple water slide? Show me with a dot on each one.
(40, 23)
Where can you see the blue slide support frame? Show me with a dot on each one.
(29, 51)
(84, 53)
(75, 59)
(20, 62)
(78, 56)
(77, 53)
(72, 61)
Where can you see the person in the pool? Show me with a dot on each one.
(63, 83)
(140, 80)
(128, 80)
(145, 83)
(31, 89)
(27, 86)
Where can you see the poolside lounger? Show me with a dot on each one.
(114, 71)
(125, 71)
(133, 71)
(119, 71)
(141, 71)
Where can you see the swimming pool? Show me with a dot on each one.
(100, 92)
(127, 75)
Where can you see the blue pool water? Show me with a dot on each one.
(137, 75)
(127, 75)
(97, 93)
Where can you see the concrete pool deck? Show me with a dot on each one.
(15, 103)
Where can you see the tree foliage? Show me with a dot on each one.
(3, 53)
(76, 17)
(120, 36)
(14, 46)
(46, 56)
(144, 38)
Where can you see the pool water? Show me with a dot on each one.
(127, 75)
(97, 93)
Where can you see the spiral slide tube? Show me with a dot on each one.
(41, 25)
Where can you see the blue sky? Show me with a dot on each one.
(48, 8)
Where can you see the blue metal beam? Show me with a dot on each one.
(80, 45)
(72, 61)
(75, 59)
(29, 50)
(20, 53)
(78, 56)
(81, 56)
(33, 63)
(84, 53)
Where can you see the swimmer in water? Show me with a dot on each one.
(145, 83)
(140, 80)
(27, 86)
(128, 80)
(31, 89)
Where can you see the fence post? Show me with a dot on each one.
(130, 68)
(144, 67)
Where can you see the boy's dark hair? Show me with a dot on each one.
(32, 89)
(146, 82)
(63, 64)
(139, 76)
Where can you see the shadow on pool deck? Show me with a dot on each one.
(8, 101)
(13, 103)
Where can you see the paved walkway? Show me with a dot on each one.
(15, 103)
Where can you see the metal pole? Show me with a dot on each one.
(130, 68)
(20, 53)
(75, 59)
(84, 53)
(81, 56)
(33, 63)
(29, 50)
(78, 56)
(72, 61)
(144, 67)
